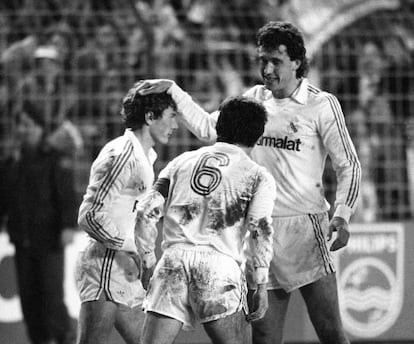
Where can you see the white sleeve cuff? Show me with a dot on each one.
(262, 275)
(149, 259)
(129, 246)
(343, 211)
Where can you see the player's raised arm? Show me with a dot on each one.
(197, 120)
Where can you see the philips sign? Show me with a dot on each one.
(371, 279)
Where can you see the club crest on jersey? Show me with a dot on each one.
(282, 143)
(371, 279)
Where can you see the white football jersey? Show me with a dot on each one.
(119, 176)
(301, 132)
(216, 194)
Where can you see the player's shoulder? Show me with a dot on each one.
(116, 148)
(263, 171)
(184, 156)
(179, 160)
(264, 179)
(258, 92)
(318, 96)
(118, 145)
(195, 155)
(258, 170)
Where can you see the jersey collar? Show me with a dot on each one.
(138, 150)
(300, 95)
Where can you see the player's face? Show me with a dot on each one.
(278, 71)
(163, 127)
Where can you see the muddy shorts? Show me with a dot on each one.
(196, 283)
(100, 269)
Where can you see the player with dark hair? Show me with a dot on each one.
(274, 34)
(233, 127)
(108, 271)
(305, 125)
(135, 108)
(210, 199)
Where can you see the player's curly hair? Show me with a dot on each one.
(135, 106)
(275, 33)
(241, 121)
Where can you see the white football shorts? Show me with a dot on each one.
(301, 253)
(100, 269)
(196, 283)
